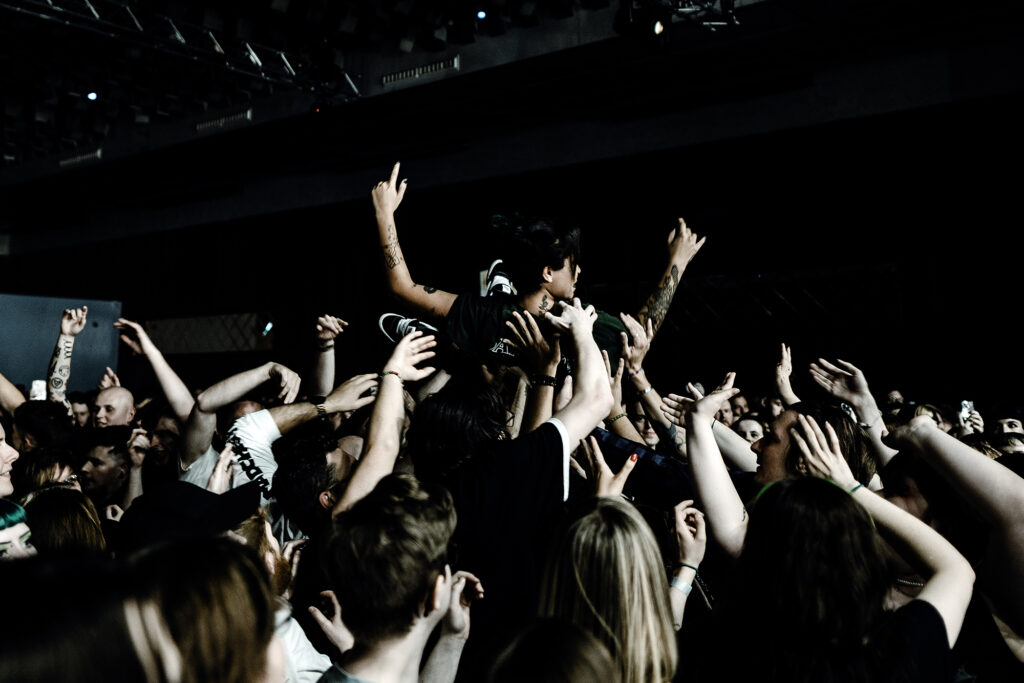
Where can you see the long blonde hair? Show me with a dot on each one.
(606, 576)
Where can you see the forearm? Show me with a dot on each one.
(677, 597)
(10, 396)
(649, 397)
(735, 448)
(785, 389)
(951, 580)
(290, 416)
(383, 440)
(623, 426)
(232, 389)
(323, 372)
(177, 394)
(399, 278)
(59, 373)
(592, 396)
(518, 409)
(726, 515)
(539, 403)
(443, 663)
(134, 487)
(988, 487)
(658, 303)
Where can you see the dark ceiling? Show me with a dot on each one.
(857, 154)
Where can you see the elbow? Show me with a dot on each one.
(205, 404)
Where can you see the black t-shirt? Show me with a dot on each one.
(508, 500)
(477, 324)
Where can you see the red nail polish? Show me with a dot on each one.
(633, 457)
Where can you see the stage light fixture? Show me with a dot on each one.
(91, 97)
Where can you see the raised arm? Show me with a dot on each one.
(10, 396)
(328, 328)
(71, 323)
(951, 580)
(203, 420)
(177, 394)
(618, 420)
(387, 195)
(592, 396)
(384, 437)
(721, 502)
(692, 539)
(538, 356)
(733, 447)
(783, 372)
(635, 346)
(683, 245)
(847, 383)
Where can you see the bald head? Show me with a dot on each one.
(114, 406)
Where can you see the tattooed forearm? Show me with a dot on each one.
(392, 252)
(60, 369)
(426, 288)
(658, 304)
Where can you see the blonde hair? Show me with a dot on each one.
(606, 576)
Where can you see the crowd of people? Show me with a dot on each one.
(508, 498)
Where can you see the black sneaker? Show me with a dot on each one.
(395, 326)
(497, 280)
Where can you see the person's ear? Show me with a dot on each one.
(442, 590)
(547, 274)
(326, 499)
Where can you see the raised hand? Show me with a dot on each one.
(822, 456)
(289, 381)
(573, 317)
(539, 353)
(691, 533)
(220, 478)
(387, 194)
(847, 383)
(676, 407)
(353, 394)
(73, 320)
(784, 368)
(410, 351)
(637, 343)
(328, 327)
(334, 628)
(606, 483)
(683, 244)
(134, 337)
(109, 379)
(616, 381)
(138, 446)
(465, 589)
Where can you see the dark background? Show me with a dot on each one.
(856, 175)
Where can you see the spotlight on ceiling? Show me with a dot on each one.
(481, 15)
(91, 97)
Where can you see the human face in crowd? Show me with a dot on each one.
(740, 407)
(1008, 425)
(102, 473)
(724, 414)
(7, 457)
(772, 449)
(113, 407)
(164, 439)
(775, 407)
(81, 413)
(751, 430)
(16, 542)
(643, 425)
(563, 281)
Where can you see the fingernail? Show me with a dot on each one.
(633, 457)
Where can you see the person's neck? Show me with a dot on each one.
(393, 660)
(538, 302)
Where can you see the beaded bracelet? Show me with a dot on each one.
(616, 418)
(546, 380)
(390, 372)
